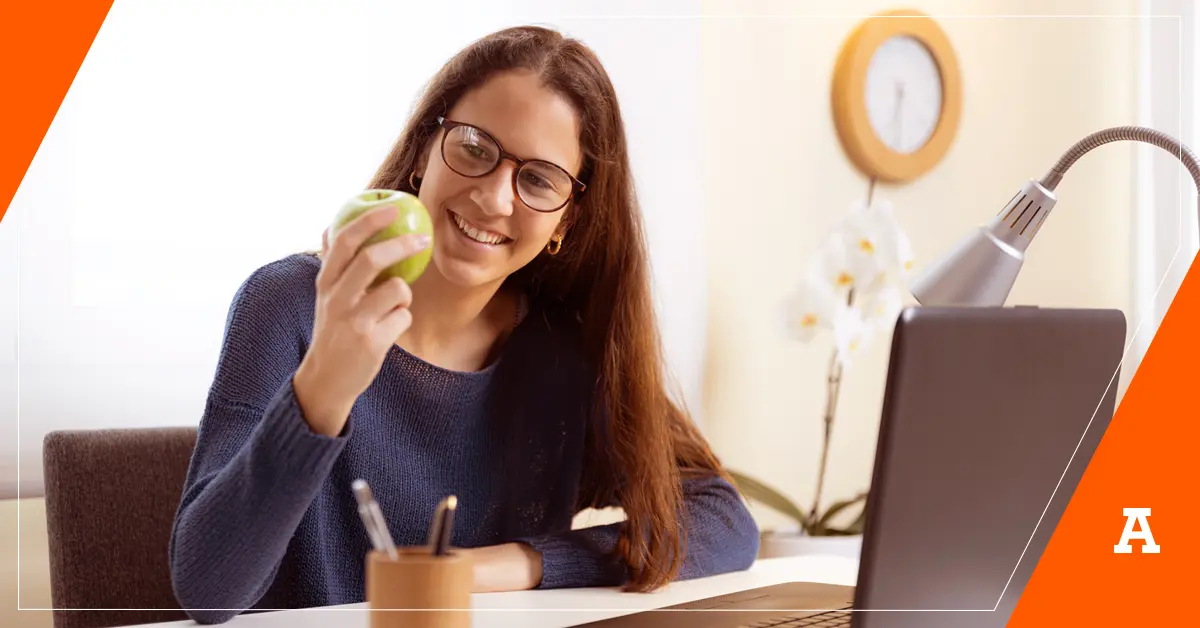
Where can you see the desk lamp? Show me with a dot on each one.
(981, 269)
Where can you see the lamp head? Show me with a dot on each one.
(981, 269)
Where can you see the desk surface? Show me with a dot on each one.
(568, 607)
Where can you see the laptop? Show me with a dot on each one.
(985, 411)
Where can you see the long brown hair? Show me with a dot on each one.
(600, 278)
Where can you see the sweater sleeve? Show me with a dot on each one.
(721, 537)
(257, 466)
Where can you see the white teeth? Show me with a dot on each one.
(485, 237)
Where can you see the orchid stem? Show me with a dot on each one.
(833, 388)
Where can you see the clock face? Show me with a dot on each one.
(903, 94)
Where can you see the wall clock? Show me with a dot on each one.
(897, 95)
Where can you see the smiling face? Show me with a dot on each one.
(483, 230)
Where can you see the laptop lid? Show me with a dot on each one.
(990, 417)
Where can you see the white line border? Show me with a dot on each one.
(20, 226)
(1141, 319)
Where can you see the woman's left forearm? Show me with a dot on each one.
(506, 567)
(722, 537)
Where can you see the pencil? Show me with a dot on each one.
(442, 528)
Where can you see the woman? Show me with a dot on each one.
(521, 372)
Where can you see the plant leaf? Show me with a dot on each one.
(837, 507)
(856, 527)
(768, 496)
(859, 524)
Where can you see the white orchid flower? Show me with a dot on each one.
(875, 247)
(851, 334)
(894, 247)
(881, 307)
(867, 252)
(836, 266)
(815, 305)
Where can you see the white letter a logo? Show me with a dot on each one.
(1143, 532)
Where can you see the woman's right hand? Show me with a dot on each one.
(355, 324)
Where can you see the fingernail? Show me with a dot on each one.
(423, 241)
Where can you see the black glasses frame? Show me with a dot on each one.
(577, 186)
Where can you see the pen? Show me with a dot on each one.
(443, 526)
(362, 494)
(373, 519)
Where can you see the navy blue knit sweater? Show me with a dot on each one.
(267, 519)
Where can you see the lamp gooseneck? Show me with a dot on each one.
(1118, 134)
(981, 269)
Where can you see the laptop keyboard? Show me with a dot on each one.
(828, 619)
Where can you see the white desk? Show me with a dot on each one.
(561, 608)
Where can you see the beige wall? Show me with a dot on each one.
(777, 178)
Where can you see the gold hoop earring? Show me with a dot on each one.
(555, 245)
(410, 180)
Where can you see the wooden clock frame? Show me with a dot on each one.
(864, 148)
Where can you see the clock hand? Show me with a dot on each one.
(896, 119)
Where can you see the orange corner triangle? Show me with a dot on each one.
(42, 44)
(1147, 459)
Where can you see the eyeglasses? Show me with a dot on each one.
(541, 185)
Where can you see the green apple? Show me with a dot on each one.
(412, 218)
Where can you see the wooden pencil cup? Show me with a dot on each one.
(438, 587)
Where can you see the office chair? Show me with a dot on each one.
(111, 497)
